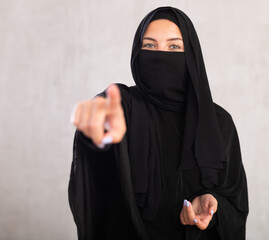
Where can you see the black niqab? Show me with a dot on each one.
(164, 77)
(202, 147)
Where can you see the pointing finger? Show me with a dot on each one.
(113, 96)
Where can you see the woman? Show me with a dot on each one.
(158, 160)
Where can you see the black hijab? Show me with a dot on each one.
(202, 147)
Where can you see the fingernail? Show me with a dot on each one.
(107, 140)
(195, 220)
(186, 203)
(101, 145)
(212, 212)
(72, 117)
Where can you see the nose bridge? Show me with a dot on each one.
(161, 45)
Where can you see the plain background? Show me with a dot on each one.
(54, 53)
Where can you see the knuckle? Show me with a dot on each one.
(97, 139)
(116, 139)
(92, 125)
(76, 122)
(98, 100)
(82, 105)
(82, 126)
(87, 105)
(87, 128)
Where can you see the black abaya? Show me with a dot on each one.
(103, 203)
(166, 225)
(170, 152)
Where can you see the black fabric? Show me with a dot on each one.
(165, 15)
(164, 76)
(201, 129)
(144, 178)
(166, 224)
(101, 179)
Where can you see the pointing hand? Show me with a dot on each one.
(92, 117)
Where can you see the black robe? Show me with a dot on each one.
(102, 199)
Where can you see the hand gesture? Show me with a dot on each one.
(199, 212)
(92, 117)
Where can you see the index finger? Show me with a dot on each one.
(113, 96)
(188, 213)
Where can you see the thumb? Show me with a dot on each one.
(113, 96)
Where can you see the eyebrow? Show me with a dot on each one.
(170, 39)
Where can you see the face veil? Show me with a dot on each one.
(163, 75)
(202, 146)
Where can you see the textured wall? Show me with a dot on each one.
(54, 53)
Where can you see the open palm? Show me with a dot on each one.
(200, 211)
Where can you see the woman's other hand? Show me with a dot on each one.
(199, 212)
(92, 117)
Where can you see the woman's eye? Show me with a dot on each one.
(175, 46)
(150, 45)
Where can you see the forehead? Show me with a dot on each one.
(163, 27)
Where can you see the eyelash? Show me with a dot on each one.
(178, 47)
(175, 45)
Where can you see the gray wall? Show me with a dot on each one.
(54, 53)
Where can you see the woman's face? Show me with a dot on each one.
(163, 35)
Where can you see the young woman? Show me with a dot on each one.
(158, 160)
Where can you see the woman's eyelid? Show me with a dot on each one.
(148, 43)
(177, 45)
(173, 45)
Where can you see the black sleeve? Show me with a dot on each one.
(229, 222)
(100, 188)
(232, 196)
(88, 141)
(95, 194)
